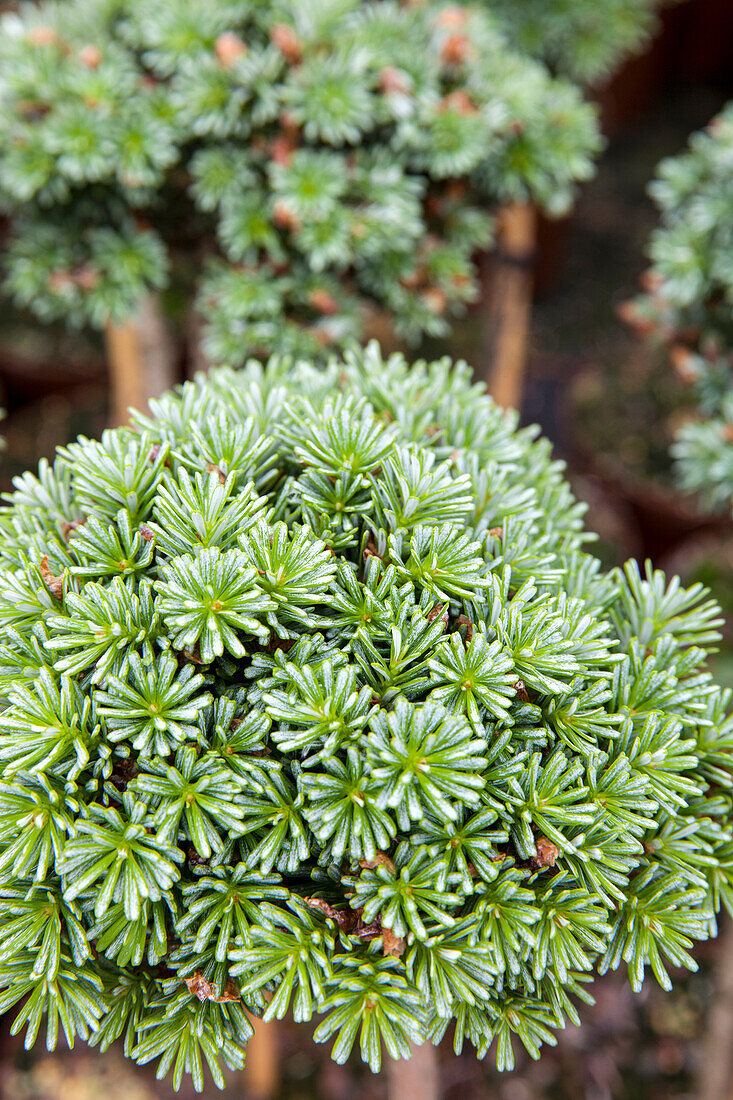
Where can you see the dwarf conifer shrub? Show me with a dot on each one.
(316, 703)
(688, 305)
(318, 160)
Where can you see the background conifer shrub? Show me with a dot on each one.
(316, 703)
(687, 307)
(317, 160)
(581, 39)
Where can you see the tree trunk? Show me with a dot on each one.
(511, 300)
(716, 1068)
(262, 1068)
(142, 359)
(416, 1079)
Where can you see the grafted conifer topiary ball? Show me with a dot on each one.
(316, 703)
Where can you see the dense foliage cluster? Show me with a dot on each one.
(688, 304)
(316, 703)
(582, 39)
(324, 159)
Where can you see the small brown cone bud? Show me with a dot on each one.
(435, 300)
(458, 101)
(683, 363)
(381, 859)
(456, 49)
(281, 150)
(322, 300)
(728, 433)
(43, 36)
(54, 584)
(285, 39)
(651, 281)
(86, 278)
(283, 217)
(212, 469)
(521, 690)
(391, 944)
(199, 987)
(229, 49)
(631, 315)
(90, 56)
(547, 853)
(67, 529)
(147, 533)
(392, 81)
(58, 281)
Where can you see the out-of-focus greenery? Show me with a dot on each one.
(306, 163)
(688, 303)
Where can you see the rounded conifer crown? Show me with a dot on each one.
(315, 702)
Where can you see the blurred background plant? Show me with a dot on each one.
(293, 168)
(688, 305)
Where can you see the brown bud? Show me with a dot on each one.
(229, 49)
(54, 584)
(90, 56)
(521, 690)
(198, 986)
(463, 620)
(43, 36)
(438, 611)
(496, 532)
(86, 278)
(547, 853)
(651, 281)
(211, 468)
(147, 533)
(281, 150)
(283, 216)
(285, 39)
(683, 363)
(59, 281)
(456, 49)
(392, 944)
(67, 529)
(392, 81)
(413, 279)
(728, 433)
(435, 300)
(289, 124)
(631, 315)
(193, 655)
(381, 859)
(460, 280)
(458, 101)
(322, 300)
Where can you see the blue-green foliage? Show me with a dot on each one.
(315, 703)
